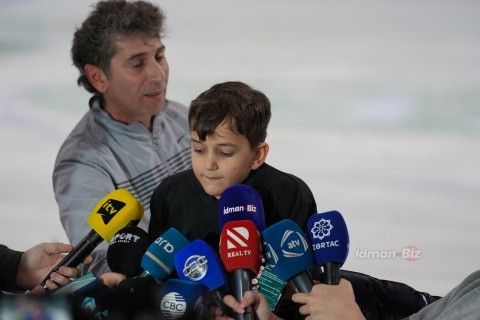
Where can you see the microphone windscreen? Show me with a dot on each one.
(159, 258)
(241, 202)
(135, 297)
(182, 299)
(287, 250)
(240, 246)
(116, 210)
(198, 262)
(126, 249)
(328, 234)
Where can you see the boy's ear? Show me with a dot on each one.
(260, 155)
(96, 77)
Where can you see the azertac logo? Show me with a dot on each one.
(109, 209)
(321, 229)
(195, 267)
(173, 306)
(293, 244)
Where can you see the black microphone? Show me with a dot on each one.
(126, 250)
(116, 210)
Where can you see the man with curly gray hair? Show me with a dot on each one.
(131, 137)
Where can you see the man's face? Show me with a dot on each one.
(136, 87)
(222, 160)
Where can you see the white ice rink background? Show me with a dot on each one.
(376, 105)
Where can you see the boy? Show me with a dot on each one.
(228, 125)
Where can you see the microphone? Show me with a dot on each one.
(289, 254)
(199, 263)
(126, 250)
(240, 252)
(182, 299)
(116, 210)
(330, 243)
(158, 261)
(241, 202)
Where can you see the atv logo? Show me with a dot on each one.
(293, 244)
(109, 209)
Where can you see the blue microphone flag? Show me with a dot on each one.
(241, 202)
(198, 262)
(328, 234)
(159, 258)
(287, 249)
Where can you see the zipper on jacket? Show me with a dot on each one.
(154, 141)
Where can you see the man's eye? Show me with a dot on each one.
(199, 151)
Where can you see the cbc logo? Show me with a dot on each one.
(173, 306)
(195, 267)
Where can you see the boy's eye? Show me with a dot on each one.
(200, 151)
(226, 154)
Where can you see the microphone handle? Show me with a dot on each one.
(331, 273)
(242, 282)
(217, 297)
(79, 253)
(303, 281)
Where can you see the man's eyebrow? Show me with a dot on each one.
(142, 54)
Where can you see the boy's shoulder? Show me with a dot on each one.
(268, 175)
(183, 180)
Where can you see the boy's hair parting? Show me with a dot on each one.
(246, 110)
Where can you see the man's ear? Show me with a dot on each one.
(260, 155)
(96, 77)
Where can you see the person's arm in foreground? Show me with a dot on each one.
(260, 305)
(334, 302)
(37, 261)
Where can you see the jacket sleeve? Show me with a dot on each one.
(78, 187)
(385, 299)
(9, 262)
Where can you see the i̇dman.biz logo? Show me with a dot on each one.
(109, 209)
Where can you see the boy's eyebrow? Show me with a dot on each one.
(225, 144)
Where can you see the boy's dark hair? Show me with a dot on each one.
(246, 111)
(94, 42)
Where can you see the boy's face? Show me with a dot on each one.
(222, 160)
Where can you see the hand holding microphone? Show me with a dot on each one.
(240, 252)
(116, 210)
(199, 263)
